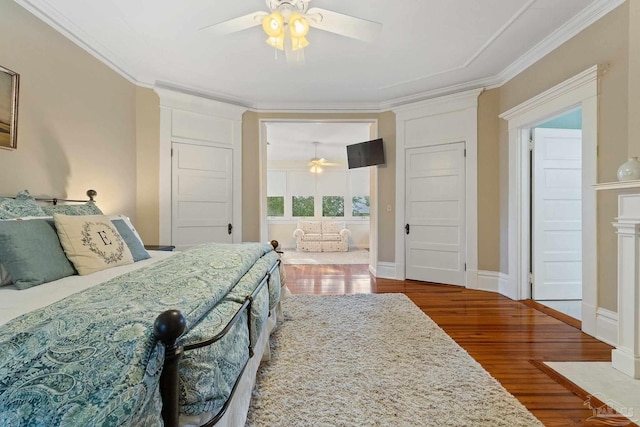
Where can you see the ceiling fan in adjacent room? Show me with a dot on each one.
(287, 23)
(317, 164)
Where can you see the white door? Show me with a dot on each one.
(557, 214)
(202, 195)
(435, 207)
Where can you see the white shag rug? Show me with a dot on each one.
(356, 256)
(373, 360)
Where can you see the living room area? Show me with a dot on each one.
(317, 208)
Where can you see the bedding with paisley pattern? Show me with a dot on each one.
(92, 358)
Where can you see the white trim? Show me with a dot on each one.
(467, 132)
(635, 183)
(384, 270)
(170, 102)
(569, 29)
(579, 91)
(607, 326)
(46, 12)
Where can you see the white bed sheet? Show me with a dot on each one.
(15, 302)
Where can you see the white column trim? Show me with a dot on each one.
(170, 101)
(467, 100)
(626, 356)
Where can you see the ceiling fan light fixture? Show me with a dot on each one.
(277, 42)
(315, 169)
(299, 43)
(273, 25)
(298, 26)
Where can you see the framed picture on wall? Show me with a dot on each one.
(9, 86)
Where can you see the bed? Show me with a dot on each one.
(174, 338)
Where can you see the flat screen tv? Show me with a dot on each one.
(367, 153)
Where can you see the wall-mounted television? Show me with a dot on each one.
(367, 153)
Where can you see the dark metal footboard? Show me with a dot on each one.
(169, 327)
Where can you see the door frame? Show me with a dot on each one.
(450, 118)
(373, 184)
(580, 91)
(188, 118)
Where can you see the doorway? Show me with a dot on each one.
(556, 213)
(580, 91)
(304, 176)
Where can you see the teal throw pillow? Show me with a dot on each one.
(23, 205)
(31, 252)
(135, 245)
(89, 208)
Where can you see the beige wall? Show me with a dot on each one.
(386, 173)
(604, 42)
(148, 165)
(488, 181)
(76, 122)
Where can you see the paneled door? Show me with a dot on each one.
(435, 241)
(202, 195)
(557, 214)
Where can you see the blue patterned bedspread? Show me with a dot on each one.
(92, 359)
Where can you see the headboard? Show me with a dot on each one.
(91, 194)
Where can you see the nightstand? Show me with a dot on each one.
(167, 248)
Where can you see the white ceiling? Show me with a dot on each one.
(294, 141)
(425, 48)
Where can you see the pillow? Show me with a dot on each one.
(133, 242)
(92, 243)
(89, 208)
(22, 205)
(31, 253)
(332, 227)
(312, 227)
(5, 278)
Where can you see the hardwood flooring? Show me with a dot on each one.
(508, 338)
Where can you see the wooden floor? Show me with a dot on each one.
(508, 338)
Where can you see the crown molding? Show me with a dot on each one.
(569, 29)
(48, 14)
(56, 20)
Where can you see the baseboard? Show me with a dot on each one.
(607, 326)
(494, 281)
(385, 270)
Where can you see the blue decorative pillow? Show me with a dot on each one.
(89, 208)
(31, 252)
(23, 205)
(135, 245)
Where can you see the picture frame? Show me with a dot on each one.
(9, 88)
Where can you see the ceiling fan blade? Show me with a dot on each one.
(236, 24)
(345, 25)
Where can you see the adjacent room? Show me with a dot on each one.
(318, 213)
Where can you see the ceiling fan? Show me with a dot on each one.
(317, 164)
(287, 23)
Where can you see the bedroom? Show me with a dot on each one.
(82, 125)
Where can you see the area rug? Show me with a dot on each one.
(359, 256)
(611, 387)
(373, 360)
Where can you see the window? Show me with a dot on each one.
(360, 206)
(302, 205)
(332, 206)
(275, 206)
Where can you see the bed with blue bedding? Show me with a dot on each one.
(97, 357)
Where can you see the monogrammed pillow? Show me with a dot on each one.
(92, 243)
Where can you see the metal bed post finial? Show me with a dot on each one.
(92, 194)
(168, 328)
